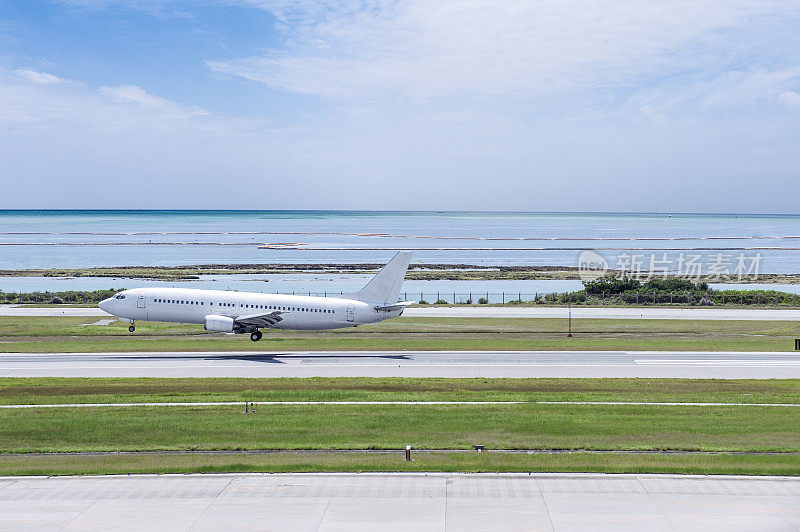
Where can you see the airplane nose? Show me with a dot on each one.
(105, 305)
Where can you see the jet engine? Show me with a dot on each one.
(219, 323)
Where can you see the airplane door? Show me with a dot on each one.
(140, 300)
(351, 313)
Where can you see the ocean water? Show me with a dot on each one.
(201, 237)
(73, 239)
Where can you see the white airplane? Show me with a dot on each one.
(247, 312)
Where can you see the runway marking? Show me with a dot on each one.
(329, 366)
(675, 362)
(408, 403)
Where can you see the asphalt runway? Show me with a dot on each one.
(506, 312)
(722, 365)
(374, 501)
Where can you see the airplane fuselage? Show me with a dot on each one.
(186, 305)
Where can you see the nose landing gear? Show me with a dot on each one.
(255, 336)
(131, 328)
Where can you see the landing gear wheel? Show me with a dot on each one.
(255, 336)
(131, 328)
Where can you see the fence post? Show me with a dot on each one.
(454, 298)
(504, 298)
(519, 296)
(420, 297)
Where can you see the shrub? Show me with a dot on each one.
(423, 302)
(57, 301)
(441, 302)
(611, 285)
(483, 301)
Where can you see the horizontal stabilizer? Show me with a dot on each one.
(396, 306)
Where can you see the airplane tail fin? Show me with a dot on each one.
(384, 288)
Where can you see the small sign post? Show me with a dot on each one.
(569, 306)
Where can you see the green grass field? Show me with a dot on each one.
(717, 428)
(67, 334)
(523, 426)
(712, 464)
(131, 390)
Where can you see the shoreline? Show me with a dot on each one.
(417, 272)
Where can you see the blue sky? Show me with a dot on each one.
(673, 105)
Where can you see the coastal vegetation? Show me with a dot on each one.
(626, 293)
(417, 272)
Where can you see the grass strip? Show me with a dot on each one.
(715, 464)
(527, 426)
(11, 326)
(75, 334)
(58, 390)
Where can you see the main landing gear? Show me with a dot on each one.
(131, 328)
(255, 336)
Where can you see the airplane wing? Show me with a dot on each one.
(396, 306)
(269, 319)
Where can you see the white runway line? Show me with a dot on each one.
(455, 364)
(717, 362)
(406, 403)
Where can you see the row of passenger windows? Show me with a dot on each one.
(242, 305)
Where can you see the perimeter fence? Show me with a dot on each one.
(767, 298)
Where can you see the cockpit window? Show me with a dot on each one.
(119, 296)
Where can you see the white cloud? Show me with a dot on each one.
(522, 49)
(511, 105)
(747, 88)
(137, 95)
(737, 91)
(133, 94)
(790, 99)
(652, 115)
(41, 78)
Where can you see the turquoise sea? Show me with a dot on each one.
(86, 238)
